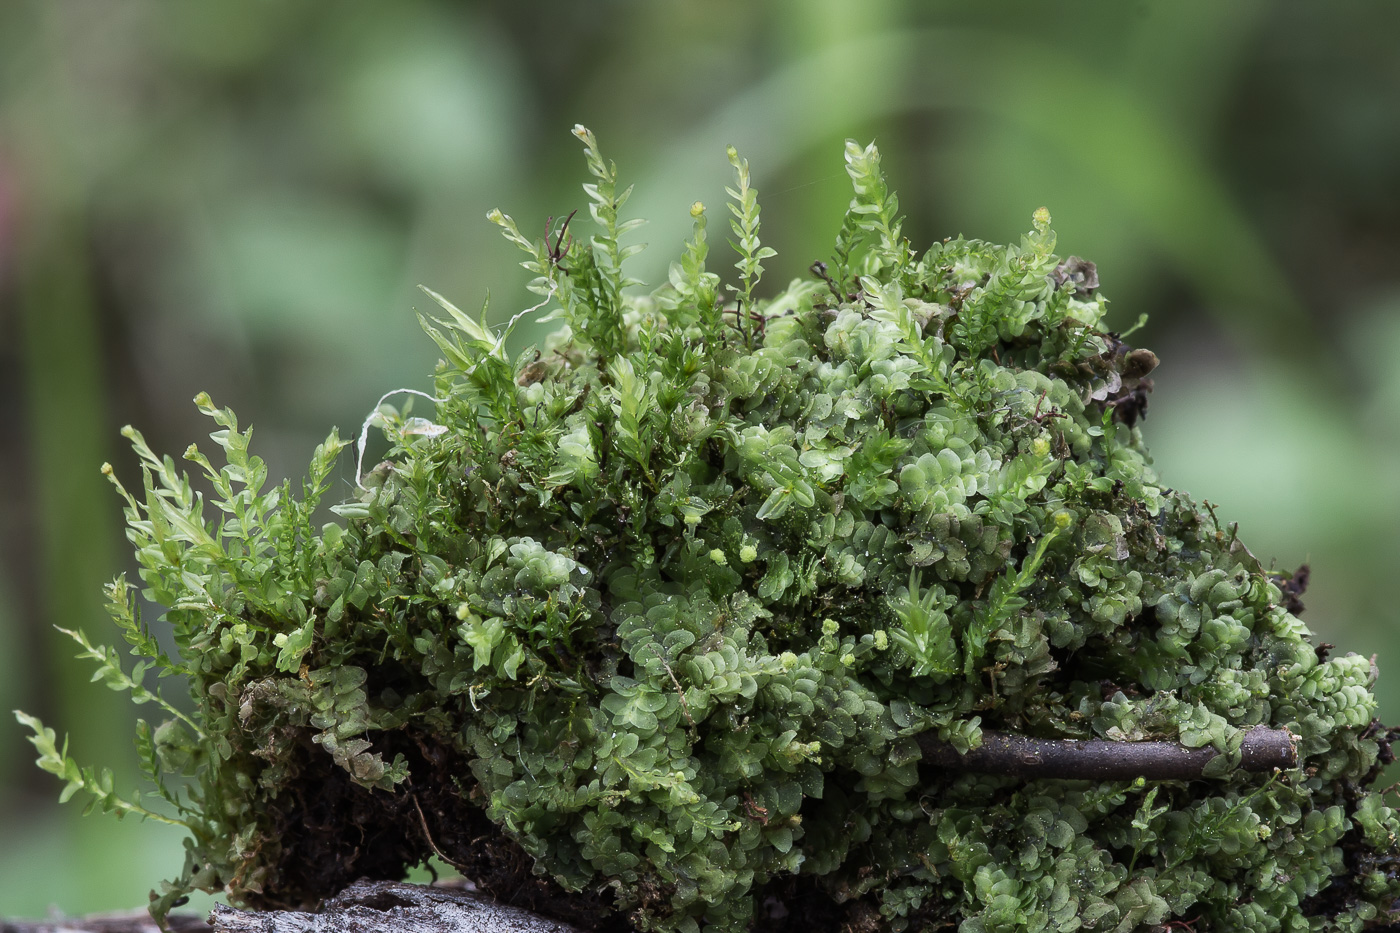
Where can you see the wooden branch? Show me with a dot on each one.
(1264, 749)
(384, 906)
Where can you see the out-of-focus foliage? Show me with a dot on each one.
(670, 599)
(242, 197)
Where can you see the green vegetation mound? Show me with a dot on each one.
(641, 628)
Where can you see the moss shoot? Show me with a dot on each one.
(643, 628)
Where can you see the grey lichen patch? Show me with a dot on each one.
(659, 614)
(378, 906)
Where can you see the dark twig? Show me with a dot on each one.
(560, 249)
(819, 269)
(685, 707)
(1264, 749)
(429, 836)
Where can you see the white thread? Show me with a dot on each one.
(499, 348)
(364, 428)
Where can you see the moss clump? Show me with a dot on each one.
(654, 615)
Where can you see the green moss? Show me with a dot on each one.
(669, 599)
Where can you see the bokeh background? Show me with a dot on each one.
(240, 197)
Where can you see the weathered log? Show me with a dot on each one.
(382, 906)
(364, 907)
(396, 907)
(1264, 749)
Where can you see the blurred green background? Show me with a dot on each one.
(239, 196)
